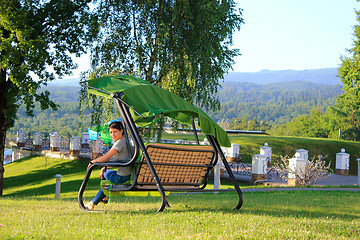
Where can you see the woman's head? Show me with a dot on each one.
(116, 125)
(116, 130)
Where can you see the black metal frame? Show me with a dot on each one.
(139, 146)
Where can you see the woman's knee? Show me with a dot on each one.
(107, 175)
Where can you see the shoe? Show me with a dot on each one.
(104, 200)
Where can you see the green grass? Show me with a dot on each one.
(29, 211)
(272, 215)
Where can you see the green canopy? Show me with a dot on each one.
(150, 101)
(100, 132)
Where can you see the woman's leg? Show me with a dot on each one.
(114, 178)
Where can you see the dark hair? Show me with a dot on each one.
(116, 125)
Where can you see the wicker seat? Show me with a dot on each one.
(177, 166)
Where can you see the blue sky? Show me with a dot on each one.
(294, 34)
(289, 34)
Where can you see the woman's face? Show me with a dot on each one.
(115, 134)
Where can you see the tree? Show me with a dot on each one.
(37, 40)
(347, 105)
(316, 124)
(182, 46)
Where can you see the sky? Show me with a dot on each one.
(294, 34)
(289, 34)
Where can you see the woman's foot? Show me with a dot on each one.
(90, 206)
(104, 200)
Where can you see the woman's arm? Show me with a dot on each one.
(103, 158)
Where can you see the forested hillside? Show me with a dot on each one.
(271, 103)
(274, 103)
(65, 120)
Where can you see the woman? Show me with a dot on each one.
(119, 151)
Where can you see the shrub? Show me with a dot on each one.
(314, 169)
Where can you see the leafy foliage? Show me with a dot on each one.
(182, 46)
(347, 107)
(34, 36)
(37, 40)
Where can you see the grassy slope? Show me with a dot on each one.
(34, 176)
(287, 146)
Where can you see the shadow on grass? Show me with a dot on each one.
(40, 175)
(224, 203)
(64, 168)
(302, 214)
(320, 205)
(66, 187)
(188, 208)
(269, 205)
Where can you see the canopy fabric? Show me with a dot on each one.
(150, 101)
(101, 132)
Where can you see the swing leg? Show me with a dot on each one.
(164, 203)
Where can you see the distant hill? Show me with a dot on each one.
(326, 76)
(274, 102)
(271, 96)
(65, 82)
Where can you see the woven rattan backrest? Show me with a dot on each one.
(177, 164)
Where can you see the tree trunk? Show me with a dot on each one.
(2, 141)
(2, 147)
(3, 125)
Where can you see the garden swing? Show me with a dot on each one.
(157, 166)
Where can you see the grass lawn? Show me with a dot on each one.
(270, 215)
(28, 210)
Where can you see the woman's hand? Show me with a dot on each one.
(103, 158)
(102, 172)
(90, 163)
